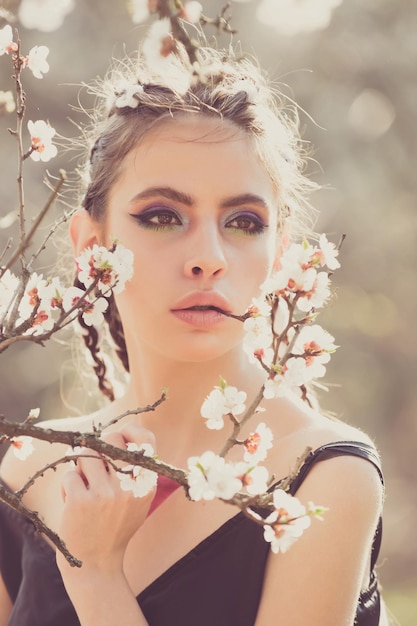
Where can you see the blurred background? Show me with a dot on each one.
(352, 66)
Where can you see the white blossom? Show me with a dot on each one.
(159, 49)
(34, 308)
(140, 10)
(71, 297)
(329, 253)
(7, 102)
(287, 523)
(210, 477)
(272, 387)
(139, 480)
(41, 134)
(318, 295)
(192, 11)
(8, 286)
(294, 374)
(93, 314)
(36, 61)
(92, 309)
(222, 401)
(315, 345)
(159, 43)
(34, 414)
(257, 337)
(44, 15)
(112, 268)
(291, 17)
(22, 447)
(253, 477)
(6, 40)
(257, 444)
(126, 97)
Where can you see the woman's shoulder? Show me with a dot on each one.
(299, 430)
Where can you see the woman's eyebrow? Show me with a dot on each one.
(244, 198)
(184, 198)
(166, 192)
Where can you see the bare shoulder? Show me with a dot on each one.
(298, 429)
(15, 472)
(329, 565)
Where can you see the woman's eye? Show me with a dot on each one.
(158, 219)
(248, 224)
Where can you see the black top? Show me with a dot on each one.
(217, 583)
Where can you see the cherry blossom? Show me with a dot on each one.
(192, 11)
(34, 414)
(44, 15)
(222, 401)
(36, 61)
(41, 134)
(22, 447)
(318, 295)
(257, 444)
(287, 523)
(110, 268)
(126, 95)
(159, 43)
(51, 292)
(92, 309)
(291, 17)
(258, 336)
(6, 40)
(31, 307)
(7, 103)
(40, 300)
(210, 477)
(329, 253)
(159, 49)
(8, 286)
(315, 344)
(140, 10)
(139, 480)
(253, 478)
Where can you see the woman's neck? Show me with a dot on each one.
(178, 418)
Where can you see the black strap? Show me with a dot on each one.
(331, 450)
(342, 448)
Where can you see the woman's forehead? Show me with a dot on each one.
(196, 127)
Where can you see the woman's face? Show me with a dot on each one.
(198, 210)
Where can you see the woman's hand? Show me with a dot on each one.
(99, 518)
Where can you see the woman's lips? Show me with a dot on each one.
(201, 317)
(202, 309)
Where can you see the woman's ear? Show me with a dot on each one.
(282, 243)
(83, 231)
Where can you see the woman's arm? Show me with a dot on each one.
(5, 604)
(103, 598)
(98, 521)
(319, 579)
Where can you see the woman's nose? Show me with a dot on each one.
(206, 258)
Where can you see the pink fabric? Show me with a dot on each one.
(164, 488)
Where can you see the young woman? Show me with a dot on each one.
(204, 184)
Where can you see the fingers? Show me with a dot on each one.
(92, 469)
(130, 433)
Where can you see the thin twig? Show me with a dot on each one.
(25, 242)
(15, 503)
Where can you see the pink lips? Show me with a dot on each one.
(202, 309)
